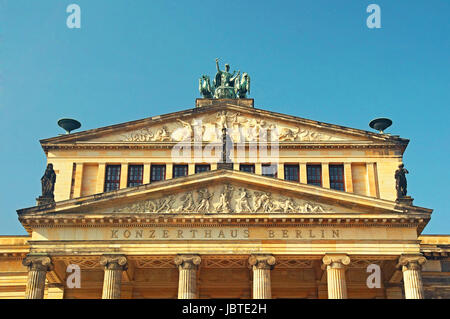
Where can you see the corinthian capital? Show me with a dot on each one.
(114, 262)
(411, 262)
(336, 260)
(43, 263)
(187, 261)
(262, 261)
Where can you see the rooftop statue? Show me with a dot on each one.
(400, 181)
(226, 85)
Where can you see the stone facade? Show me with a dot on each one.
(225, 233)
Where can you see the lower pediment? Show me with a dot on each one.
(224, 192)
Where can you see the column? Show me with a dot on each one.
(412, 276)
(114, 266)
(372, 180)
(100, 185)
(187, 282)
(123, 175)
(191, 169)
(348, 177)
(337, 286)
(38, 266)
(325, 175)
(280, 173)
(78, 180)
(261, 265)
(258, 168)
(146, 174)
(169, 171)
(303, 173)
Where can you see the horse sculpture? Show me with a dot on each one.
(242, 87)
(204, 86)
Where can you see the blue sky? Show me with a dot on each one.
(314, 59)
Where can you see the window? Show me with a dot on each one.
(249, 168)
(269, 170)
(314, 174)
(337, 177)
(202, 168)
(180, 170)
(291, 173)
(135, 175)
(112, 178)
(158, 173)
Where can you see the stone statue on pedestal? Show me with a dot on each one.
(400, 181)
(48, 186)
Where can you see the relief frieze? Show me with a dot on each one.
(225, 199)
(241, 129)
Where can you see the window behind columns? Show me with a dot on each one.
(158, 173)
(202, 168)
(269, 170)
(314, 174)
(135, 175)
(180, 170)
(112, 178)
(337, 177)
(249, 168)
(291, 172)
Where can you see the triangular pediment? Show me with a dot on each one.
(205, 124)
(224, 192)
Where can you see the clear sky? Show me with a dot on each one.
(315, 59)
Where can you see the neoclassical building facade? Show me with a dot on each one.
(225, 200)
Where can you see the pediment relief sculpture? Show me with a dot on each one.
(241, 128)
(224, 199)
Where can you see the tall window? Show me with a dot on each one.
(291, 172)
(158, 173)
(337, 177)
(202, 168)
(314, 174)
(135, 175)
(269, 170)
(180, 170)
(112, 178)
(249, 168)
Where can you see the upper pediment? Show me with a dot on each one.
(245, 125)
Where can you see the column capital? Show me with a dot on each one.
(114, 262)
(262, 261)
(334, 261)
(38, 262)
(411, 262)
(187, 261)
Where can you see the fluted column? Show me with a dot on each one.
(412, 275)
(187, 282)
(261, 265)
(337, 286)
(37, 271)
(112, 280)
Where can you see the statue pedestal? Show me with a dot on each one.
(44, 200)
(210, 102)
(225, 166)
(405, 200)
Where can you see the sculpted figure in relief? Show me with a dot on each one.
(262, 201)
(223, 206)
(312, 208)
(165, 205)
(242, 204)
(203, 200)
(188, 204)
(184, 133)
(284, 206)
